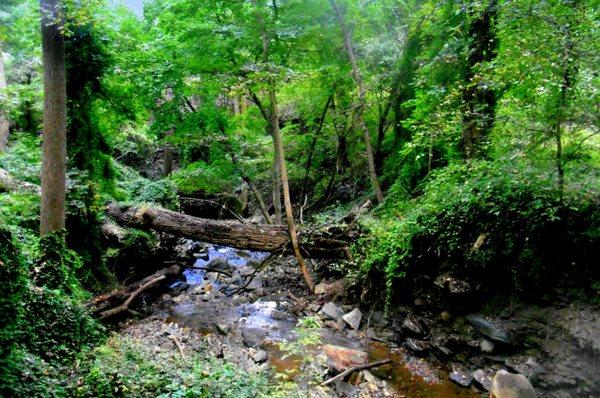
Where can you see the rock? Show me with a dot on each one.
(483, 379)
(222, 329)
(353, 318)
(417, 346)
(313, 307)
(332, 311)
(509, 385)
(526, 366)
(260, 356)
(320, 288)
(490, 330)
(413, 325)
(454, 286)
(218, 263)
(180, 288)
(341, 358)
(256, 283)
(445, 316)
(369, 378)
(419, 302)
(462, 378)
(486, 346)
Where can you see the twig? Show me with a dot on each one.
(125, 305)
(178, 344)
(251, 276)
(354, 369)
(218, 271)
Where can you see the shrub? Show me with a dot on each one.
(530, 239)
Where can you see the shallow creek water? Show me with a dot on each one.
(268, 321)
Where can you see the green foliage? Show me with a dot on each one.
(24, 158)
(125, 367)
(42, 326)
(58, 265)
(137, 189)
(532, 240)
(199, 176)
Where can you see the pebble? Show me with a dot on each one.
(260, 356)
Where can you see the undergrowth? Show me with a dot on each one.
(530, 241)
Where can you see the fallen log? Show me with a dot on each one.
(112, 303)
(267, 238)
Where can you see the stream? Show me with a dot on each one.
(255, 321)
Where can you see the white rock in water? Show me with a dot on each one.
(353, 318)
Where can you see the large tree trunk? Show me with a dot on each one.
(4, 123)
(54, 146)
(361, 100)
(268, 238)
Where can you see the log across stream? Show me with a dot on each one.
(259, 237)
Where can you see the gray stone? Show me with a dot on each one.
(489, 330)
(255, 284)
(417, 346)
(483, 379)
(413, 325)
(222, 329)
(260, 356)
(369, 378)
(353, 318)
(461, 378)
(332, 311)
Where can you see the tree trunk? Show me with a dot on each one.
(479, 101)
(168, 155)
(311, 149)
(255, 192)
(277, 186)
(4, 123)
(267, 238)
(361, 100)
(54, 146)
(286, 190)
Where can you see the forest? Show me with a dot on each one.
(300, 198)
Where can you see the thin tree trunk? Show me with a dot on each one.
(168, 155)
(277, 185)
(311, 150)
(54, 146)
(255, 192)
(286, 190)
(4, 123)
(361, 100)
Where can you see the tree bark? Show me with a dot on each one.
(286, 191)
(168, 155)
(4, 123)
(255, 192)
(361, 100)
(311, 149)
(54, 146)
(267, 238)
